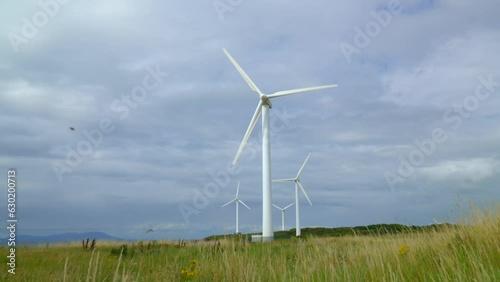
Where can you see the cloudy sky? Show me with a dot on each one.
(159, 111)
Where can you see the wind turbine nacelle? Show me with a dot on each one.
(265, 100)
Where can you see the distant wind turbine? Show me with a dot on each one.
(283, 215)
(237, 200)
(263, 107)
(297, 185)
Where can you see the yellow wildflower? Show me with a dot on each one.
(403, 249)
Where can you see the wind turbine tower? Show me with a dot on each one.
(263, 107)
(297, 186)
(283, 215)
(237, 200)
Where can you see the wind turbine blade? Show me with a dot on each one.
(288, 206)
(238, 190)
(276, 207)
(244, 204)
(230, 202)
(249, 131)
(304, 164)
(284, 180)
(304, 191)
(300, 90)
(242, 72)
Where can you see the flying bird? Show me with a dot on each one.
(72, 128)
(150, 230)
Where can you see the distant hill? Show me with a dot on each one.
(64, 237)
(375, 229)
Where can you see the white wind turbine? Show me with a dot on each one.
(263, 107)
(237, 200)
(297, 185)
(283, 215)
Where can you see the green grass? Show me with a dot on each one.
(466, 252)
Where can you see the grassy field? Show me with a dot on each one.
(469, 252)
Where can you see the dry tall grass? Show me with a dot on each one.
(468, 252)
